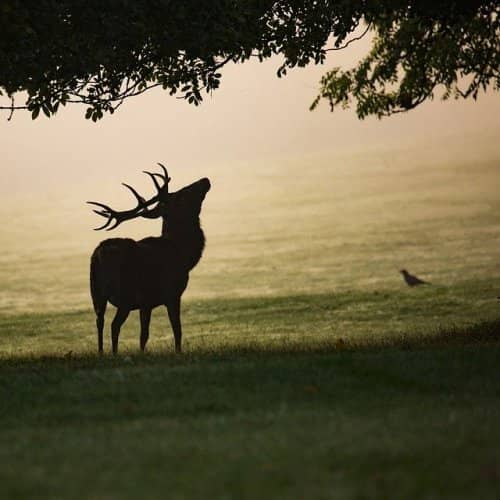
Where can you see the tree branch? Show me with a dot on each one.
(355, 39)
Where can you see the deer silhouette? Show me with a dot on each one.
(153, 271)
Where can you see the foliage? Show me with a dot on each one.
(100, 53)
(457, 47)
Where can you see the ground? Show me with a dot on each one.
(310, 369)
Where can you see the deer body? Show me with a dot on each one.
(153, 271)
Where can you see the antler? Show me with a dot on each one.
(166, 179)
(115, 217)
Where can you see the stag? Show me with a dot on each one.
(153, 271)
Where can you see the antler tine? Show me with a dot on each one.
(103, 226)
(100, 212)
(106, 212)
(117, 221)
(102, 205)
(156, 183)
(140, 200)
(166, 178)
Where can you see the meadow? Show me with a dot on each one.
(310, 369)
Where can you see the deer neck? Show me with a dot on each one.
(189, 240)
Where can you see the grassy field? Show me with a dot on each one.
(310, 369)
(352, 395)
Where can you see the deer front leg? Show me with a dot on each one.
(120, 317)
(174, 314)
(145, 319)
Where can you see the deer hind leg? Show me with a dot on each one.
(120, 317)
(99, 321)
(145, 319)
(174, 314)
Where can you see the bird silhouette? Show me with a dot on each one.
(412, 280)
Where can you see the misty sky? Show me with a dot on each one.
(253, 118)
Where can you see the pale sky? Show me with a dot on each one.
(252, 118)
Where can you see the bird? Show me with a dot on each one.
(412, 280)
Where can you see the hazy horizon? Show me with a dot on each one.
(286, 182)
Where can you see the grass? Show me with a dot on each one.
(353, 317)
(352, 395)
(310, 369)
(252, 424)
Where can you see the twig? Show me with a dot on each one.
(11, 108)
(355, 39)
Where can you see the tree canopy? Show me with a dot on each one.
(55, 52)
